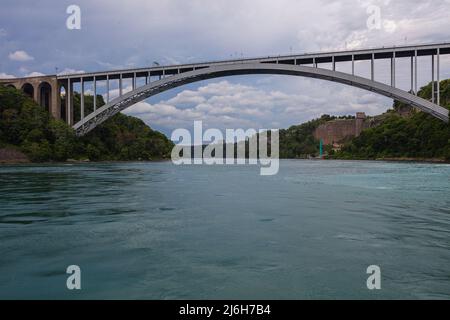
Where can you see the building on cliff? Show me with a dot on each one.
(336, 131)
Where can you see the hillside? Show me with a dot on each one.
(418, 135)
(400, 133)
(27, 128)
(298, 142)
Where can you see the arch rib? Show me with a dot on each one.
(217, 71)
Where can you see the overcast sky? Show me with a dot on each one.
(34, 39)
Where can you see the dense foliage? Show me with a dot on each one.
(28, 127)
(417, 136)
(25, 125)
(298, 141)
(122, 138)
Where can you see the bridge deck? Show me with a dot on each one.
(301, 59)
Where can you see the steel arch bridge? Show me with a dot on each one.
(45, 90)
(142, 93)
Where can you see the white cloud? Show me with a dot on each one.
(20, 55)
(6, 76)
(34, 74)
(220, 29)
(70, 71)
(232, 105)
(3, 32)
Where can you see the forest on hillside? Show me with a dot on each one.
(28, 128)
(419, 135)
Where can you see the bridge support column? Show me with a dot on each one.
(438, 79)
(120, 85)
(82, 99)
(415, 72)
(412, 74)
(107, 88)
(36, 95)
(56, 100)
(432, 78)
(69, 103)
(372, 67)
(393, 70)
(353, 65)
(95, 93)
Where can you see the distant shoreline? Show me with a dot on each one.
(78, 162)
(423, 160)
(400, 160)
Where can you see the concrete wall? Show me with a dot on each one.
(338, 130)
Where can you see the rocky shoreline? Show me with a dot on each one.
(12, 156)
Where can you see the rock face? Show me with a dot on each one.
(339, 130)
(8, 155)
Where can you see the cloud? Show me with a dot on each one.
(3, 32)
(6, 76)
(20, 55)
(70, 71)
(178, 31)
(34, 74)
(232, 105)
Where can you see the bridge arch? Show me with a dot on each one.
(126, 100)
(45, 95)
(28, 89)
(62, 98)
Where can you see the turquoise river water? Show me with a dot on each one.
(160, 231)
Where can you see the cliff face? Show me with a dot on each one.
(338, 130)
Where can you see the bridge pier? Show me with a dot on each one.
(95, 94)
(372, 67)
(432, 78)
(412, 74)
(107, 88)
(43, 90)
(393, 70)
(438, 80)
(82, 99)
(69, 103)
(415, 73)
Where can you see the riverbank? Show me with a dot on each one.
(406, 159)
(12, 156)
(395, 159)
(16, 158)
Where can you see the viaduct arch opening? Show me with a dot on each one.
(63, 102)
(45, 95)
(28, 89)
